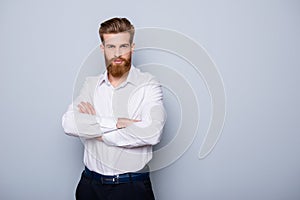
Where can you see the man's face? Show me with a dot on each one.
(117, 51)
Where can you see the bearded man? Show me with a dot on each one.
(119, 116)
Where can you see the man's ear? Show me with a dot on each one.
(132, 46)
(102, 48)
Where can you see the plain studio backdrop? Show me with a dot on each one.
(255, 45)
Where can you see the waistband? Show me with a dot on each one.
(116, 179)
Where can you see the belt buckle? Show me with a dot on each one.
(115, 180)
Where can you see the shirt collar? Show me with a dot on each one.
(132, 76)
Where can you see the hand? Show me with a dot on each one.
(86, 108)
(124, 122)
(99, 138)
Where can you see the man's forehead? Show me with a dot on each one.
(116, 38)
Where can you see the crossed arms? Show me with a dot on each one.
(87, 108)
(81, 120)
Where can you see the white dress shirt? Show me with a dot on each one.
(122, 150)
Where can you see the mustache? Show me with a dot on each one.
(117, 58)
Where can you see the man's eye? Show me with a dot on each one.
(124, 46)
(110, 47)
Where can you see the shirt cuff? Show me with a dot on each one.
(107, 122)
(108, 141)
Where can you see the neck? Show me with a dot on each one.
(116, 81)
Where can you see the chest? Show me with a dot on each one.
(126, 101)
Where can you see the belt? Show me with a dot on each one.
(116, 179)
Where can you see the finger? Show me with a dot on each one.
(92, 109)
(87, 108)
(99, 139)
(81, 109)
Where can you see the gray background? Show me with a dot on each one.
(255, 45)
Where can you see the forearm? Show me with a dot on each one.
(145, 132)
(68, 124)
(79, 122)
(81, 125)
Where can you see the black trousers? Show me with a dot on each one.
(89, 189)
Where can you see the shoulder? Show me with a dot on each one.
(93, 80)
(141, 77)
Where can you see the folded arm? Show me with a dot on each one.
(81, 120)
(147, 130)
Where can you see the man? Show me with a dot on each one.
(119, 115)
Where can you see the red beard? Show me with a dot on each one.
(118, 70)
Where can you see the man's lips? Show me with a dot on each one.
(118, 61)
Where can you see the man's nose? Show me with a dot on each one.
(118, 52)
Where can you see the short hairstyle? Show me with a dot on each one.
(116, 25)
